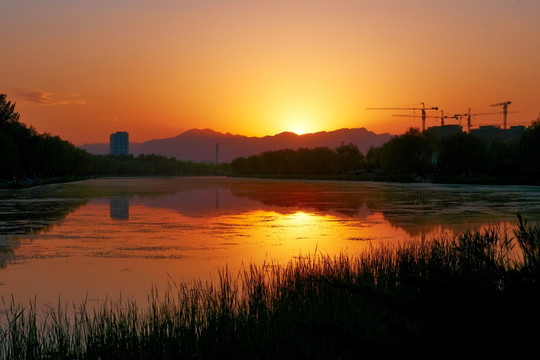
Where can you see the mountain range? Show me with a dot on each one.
(200, 145)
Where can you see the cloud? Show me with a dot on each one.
(31, 96)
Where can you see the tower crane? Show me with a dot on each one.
(455, 116)
(504, 105)
(424, 117)
(442, 117)
(422, 109)
(458, 117)
(469, 115)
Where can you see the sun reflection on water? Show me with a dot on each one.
(126, 242)
(94, 253)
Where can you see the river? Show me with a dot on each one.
(105, 238)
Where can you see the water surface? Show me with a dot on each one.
(110, 237)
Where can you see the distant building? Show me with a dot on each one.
(495, 133)
(445, 130)
(119, 143)
(515, 132)
(488, 132)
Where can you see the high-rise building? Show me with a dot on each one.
(119, 143)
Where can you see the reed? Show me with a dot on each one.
(477, 291)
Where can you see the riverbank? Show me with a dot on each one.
(375, 177)
(412, 178)
(475, 294)
(34, 181)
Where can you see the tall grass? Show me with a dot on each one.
(476, 292)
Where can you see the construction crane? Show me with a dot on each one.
(504, 105)
(422, 109)
(442, 117)
(448, 117)
(458, 117)
(469, 116)
(424, 117)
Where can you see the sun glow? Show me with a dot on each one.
(299, 130)
(300, 123)
(301, 217)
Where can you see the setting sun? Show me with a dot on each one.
(300, 123)
(299, 130)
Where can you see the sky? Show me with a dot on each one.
(84, 69)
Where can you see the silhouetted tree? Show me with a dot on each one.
(410, 153)
(499, 159)
(302, 162)
(374, 158)
(239, 166)
(529, 147)
(350, 159)
(8, 155)
(461, 154)
(7, 111)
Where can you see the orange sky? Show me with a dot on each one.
(84, 69)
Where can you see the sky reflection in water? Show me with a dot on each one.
(108, 237)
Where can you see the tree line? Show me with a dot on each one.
(24, 154)
(415, 154)
(466, 155)
(317, 161)
(152, 164)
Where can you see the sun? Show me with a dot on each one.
(299, 123)
(299, 130)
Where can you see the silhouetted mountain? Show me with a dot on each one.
(200, 145)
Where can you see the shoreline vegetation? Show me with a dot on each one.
(372, 177)
(31, 159)
(450, 180)
(404, 178)
(474, 294)
(414, 156)
(32, 182)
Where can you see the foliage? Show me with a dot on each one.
(407, 153)
(7, 112)
(27, 154)
(455, 157)
(151, 164)
(374, 158)
(461, 154)
(346, 159)
(529, 151)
